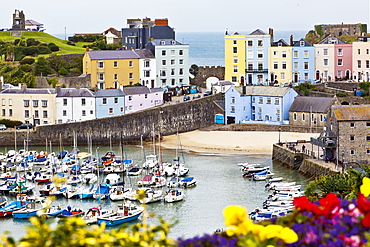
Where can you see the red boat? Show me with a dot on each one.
(21, 202)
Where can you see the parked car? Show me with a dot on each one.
(197, 96)
(24, 126)
(207, 93)
(186, 98)
(2, 127)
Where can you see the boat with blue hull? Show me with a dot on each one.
(21, 202)
(33, 207)
(126, 212)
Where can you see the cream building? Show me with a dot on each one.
(29, 105)
(361, 61)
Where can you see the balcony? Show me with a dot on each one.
(256, 70)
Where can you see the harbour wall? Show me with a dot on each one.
(165, 119)
(303, 162)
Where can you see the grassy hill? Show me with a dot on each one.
(46, 38)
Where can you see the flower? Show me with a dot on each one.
(365, 187)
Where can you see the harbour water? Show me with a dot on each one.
(219, 184)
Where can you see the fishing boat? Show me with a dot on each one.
(174, 195)
(91, 215)
(152, 196)
(32, 208)
(126, 212)
(20, 202)
(188, 182)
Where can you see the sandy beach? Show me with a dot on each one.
(232, 142)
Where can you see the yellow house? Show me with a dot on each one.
(235, 57)
(112, 69)
(280, 63)
(29, 105)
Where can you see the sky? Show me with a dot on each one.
(94, 16)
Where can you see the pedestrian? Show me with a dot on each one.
(303, 148)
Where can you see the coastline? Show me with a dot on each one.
(231, 142)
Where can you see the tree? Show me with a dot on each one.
(194, 69)
(42, 67)
(56, 62)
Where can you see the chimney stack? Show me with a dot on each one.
(57, 88)
(291, 40)
(24, 87)
(78, 86)
(271, 32)
(313, 40)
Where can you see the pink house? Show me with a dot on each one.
(343, 61)
(141, 98)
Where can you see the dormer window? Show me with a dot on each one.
(280, 44)
(162, 42)
(301, 43)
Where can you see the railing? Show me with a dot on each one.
(256, 70)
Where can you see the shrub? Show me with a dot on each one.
(44, 50)
(74, 71)
(28, 60)
(32, 42)
(53, 47)
(10, 123)
(26, 67)
(341, 94)
(63, 71)
(52, 81)
(71, 43)
(32, 50)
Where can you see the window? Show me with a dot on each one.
(296, 65)
(277, 111)
(26, 103)
(163, 62)
(367, 66)
(260, 66)
(268, 101)
(105, 100)
(44, 103)
(232, 109)
(146, 96)
(303, 117)
(115, 77)
(235, 49)
(358, 51)
(250, 54)
(306, 76)
(91, 112)
(172, 52)
(250, 43)
(301, 43)
(250, 66)
(100, 76)
(283, 54)
(101, 85)
(35, 103)
(110, 110)
(65, 102)
(162, 72)
(325, 52)
(164, 81)
(253, 99)
(181, 71)
(305, 54)
(282, 76)
(326, 62)
(283, 65)
(44, 114)
(340, 74)
(295, 54)
(83, 113)
(276, 66)
(235, 69)
(173, 82)
(26, 113)
(10, 112)
(100, 64)
(64, 113)
(295, 116)
(116, 84)
(115, 64)
(10, 102)
(163, 52)
(131, 75)
(146, 73)
(340, 62)
(232, 100)
(367, 124)
(233, 79)
(368, 137)
(277, 101)
(340, 52)
(260, 43)
(3, 112)
(359, 64)
(305, 65)
(36, 114)
(368, 151)
(122, 109)
(172, 61)
(235, 59)
(181, 61)
(129, 98)
(275, 54)
(146, 64)
(352, 152)
(260, 54)
(181, 52)
(352, 125)
(115, 100)
(83, 102)
(260, 100)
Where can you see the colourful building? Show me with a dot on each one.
(280, 63)
(235, 58)
(303, 61)
(343, 61)
(361, 61)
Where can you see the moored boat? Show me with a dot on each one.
(126, 212)
(174, 195)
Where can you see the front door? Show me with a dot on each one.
(249, 79)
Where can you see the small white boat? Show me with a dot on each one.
(181, 170)
(174, 195)
(74, 179)
(117, 193)
(126, 212)
(90, 178)
(150, 161)
(113, 179)
(287, 188)
(188, 182)
(71, 192)
(91, 215)
(152, 196)
(278, 179)
(272, 185)
(134, 171)
(174, 182)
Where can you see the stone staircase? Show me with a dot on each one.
(16, 33)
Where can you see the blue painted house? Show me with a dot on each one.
(109, 103)
(257, 44)
(303, 67)
(258, 104)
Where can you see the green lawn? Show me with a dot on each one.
(47, 38)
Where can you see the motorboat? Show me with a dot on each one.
(278, 179)
(145, 181)
(87, 192)
(90, 178)
(117, 193)
(134, 171)
(126, 212)
(74, 179)
(181, 170)
(150, 161)
(102, 192)
(71, 192)
(52, 211)
(20, 202)
(174, 182)
(43, 178)
(22, 187)
(261, 176)
(152, 196)
(287, 188)
(113, 179)
(174, 195)
(188, 182)
(32, 208)
(91, 215)
(71, 212)
(250, 172)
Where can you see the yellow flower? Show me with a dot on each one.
(288, 235)
(365, 187)
(270, 231)
(235, 215)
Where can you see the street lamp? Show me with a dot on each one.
(279, 135)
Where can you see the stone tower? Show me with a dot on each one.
(19, 21)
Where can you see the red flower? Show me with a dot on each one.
(328, 205)
(302, 203)
(363, 203)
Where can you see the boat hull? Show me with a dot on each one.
(118, 220)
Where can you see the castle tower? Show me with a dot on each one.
(19, 21)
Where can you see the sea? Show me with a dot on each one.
(207, 48)
(219, 183)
